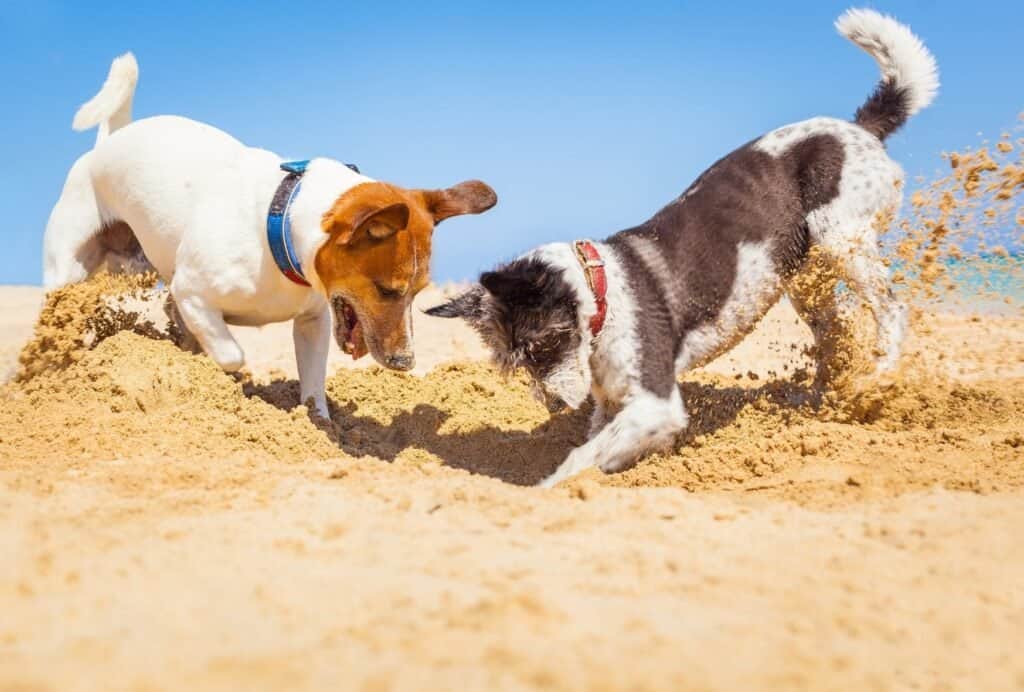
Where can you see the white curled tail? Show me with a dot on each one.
(910, 77)
(111, 108)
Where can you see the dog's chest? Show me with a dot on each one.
(615, 365)
(259, 299)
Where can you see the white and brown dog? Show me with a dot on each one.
(242, 238)
(620, 319)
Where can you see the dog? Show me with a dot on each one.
(621, 319)
(241, 237)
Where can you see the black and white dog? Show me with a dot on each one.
(620, 319)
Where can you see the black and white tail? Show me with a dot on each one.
(111, 108)
(910, 77)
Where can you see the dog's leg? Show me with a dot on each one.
(71, 249)
(855, 254)
(869, 277)
(646, 422)
(813, 294)
(179, 332)
(207, 324)
(312, 335)
(599, 417)
(852, 242)
(124, 254)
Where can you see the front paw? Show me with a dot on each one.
(552, 480)
(578, 460)
(317, 405)
(228, 355)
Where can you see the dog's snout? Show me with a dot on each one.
(555, 404)
(400, 361)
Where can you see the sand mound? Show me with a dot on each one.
(888, 440)
(136, 396)
(76, 318)
(891, 439)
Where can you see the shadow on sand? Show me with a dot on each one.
(515, 456)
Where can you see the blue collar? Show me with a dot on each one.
(279, 221)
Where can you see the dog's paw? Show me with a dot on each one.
(578, 460)
(552, 480)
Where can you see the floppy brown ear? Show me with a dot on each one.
(379, 222)
(470, 197)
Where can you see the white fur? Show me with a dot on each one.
(899, 53)
(615, 348)
(871, 183)
(197, 199)
(627, 420)
(563, 256)
(111, 108)
(645, 422)
(849, 134)
(756, 288)
(658, 267)
(611, 357)
(571, 380)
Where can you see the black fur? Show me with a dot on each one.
(748, 196)
(526, 311)
(467, 306)
(885, 111)
(527, 315)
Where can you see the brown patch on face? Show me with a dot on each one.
(378, 258)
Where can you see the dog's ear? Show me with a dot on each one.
(470, 197)
(524, 285)
(468, 306)
(503, 285)
(377, 222)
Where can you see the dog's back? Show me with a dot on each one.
(706, 267)
(156, 173)
(120, 198)
(716, 256)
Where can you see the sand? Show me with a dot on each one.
(165, 525)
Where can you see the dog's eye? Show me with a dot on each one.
(388, 293)
(540, 349)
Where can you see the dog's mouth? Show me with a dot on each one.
(348, 332)
(553, 402)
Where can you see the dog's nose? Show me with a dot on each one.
(400, 361)
(554, 403)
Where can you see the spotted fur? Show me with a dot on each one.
(689, 283)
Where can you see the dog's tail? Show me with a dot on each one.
(111, 108)
(910, 77)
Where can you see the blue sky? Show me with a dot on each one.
(586, 117)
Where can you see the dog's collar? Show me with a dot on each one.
(279, 221)
(597, 280)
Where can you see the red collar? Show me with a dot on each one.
(597, 280)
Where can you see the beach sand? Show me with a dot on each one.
(167, 526)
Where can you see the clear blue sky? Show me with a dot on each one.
(586, 117)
